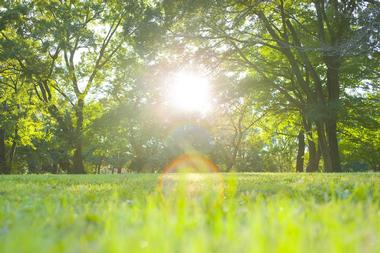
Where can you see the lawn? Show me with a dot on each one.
(190, 213)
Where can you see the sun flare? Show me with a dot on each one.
(189, 92)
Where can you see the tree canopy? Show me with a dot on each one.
(291, 85)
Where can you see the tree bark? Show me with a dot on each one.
(64, 166)
(331, 122)
(54, 168)
(301, 151)
(12, 153)
(78, 166)
(333, 145)
(235, 151)
(312, 164)
(4, 168)
(98, 166)
(323, 148)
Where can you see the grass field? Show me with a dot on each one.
(194, 213)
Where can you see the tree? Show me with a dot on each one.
(315, 39)
(83, 84)
(78, 41)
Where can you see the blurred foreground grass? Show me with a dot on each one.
(195, 213)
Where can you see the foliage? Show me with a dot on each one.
(294, 83)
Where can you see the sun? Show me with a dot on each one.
(189, 92)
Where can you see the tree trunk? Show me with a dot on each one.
(312, 164)
(12, 153)
(301, 151)
(333, 146)
(235, 152)
(78, 166)
(64, 166)
(318, 157)
(4, 168)
(119, 163)
(331, 122)
(323, 148)
(54, 168)
(98, 166)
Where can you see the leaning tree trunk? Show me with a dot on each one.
(331, 122)
(301, 151)
(12, 152)
(78, 166)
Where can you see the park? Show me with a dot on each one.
(189, 126)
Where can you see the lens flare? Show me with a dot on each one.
(191, 163)
(195, 176)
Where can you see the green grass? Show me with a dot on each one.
(139, 213)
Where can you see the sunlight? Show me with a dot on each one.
(189, 92)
